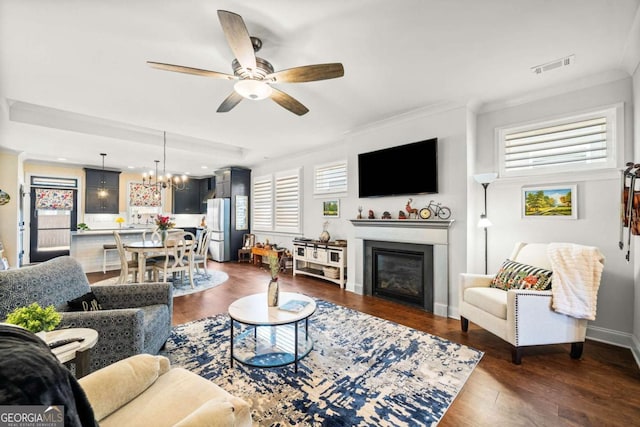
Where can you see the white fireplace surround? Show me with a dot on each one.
(420, 232)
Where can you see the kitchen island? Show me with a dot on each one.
(87, 247)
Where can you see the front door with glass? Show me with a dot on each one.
(53, 217)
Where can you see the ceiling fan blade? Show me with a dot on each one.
(231, 101)
(308, 73)
(238, 38)
(288, 102)
(190, 70)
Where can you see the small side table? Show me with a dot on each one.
(76, 352)
(270, 336)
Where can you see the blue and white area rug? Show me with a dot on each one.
(362, 371)
(201, 282)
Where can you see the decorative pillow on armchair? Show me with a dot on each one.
(87, 302)
(513, 275)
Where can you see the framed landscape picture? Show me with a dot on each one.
(331, 208)
(554, 201)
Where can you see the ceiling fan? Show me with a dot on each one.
(255, 75)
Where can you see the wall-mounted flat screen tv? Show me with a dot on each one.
(405, 169)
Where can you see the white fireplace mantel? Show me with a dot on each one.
(404, 223)
(420, 232)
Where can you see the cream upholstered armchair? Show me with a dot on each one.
(522, 317)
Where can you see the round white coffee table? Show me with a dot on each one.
(76, 352)
(270, 336)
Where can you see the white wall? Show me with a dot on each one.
(10, 167)
(636, 241)
(598, 204)
(448, 125)
(474, 203)
(466, 147)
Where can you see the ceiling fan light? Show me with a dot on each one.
(253, 89)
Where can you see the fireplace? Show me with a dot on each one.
(431, 236)
(401, 272)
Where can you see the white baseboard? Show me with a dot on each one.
(609, 336)
(617, 338)
(635, 349)
(440, 309)
(357, 288)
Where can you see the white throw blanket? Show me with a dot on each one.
(576, 278)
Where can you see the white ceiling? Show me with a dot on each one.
(81, 66)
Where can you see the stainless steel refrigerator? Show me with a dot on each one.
(219, 222)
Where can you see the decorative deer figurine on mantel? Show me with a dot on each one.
(410, 210)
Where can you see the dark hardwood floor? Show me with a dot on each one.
(548, 389)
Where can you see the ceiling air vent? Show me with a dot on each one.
(558, 63)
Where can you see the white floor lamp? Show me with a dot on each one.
(485, 179)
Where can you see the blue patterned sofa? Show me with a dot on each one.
(135, 318)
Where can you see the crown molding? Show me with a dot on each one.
(45, 116)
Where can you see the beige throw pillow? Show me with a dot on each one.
(111, 387)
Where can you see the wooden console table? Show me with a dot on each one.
(262, 252)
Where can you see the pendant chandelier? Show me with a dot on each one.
(102, 191)
(165, 180)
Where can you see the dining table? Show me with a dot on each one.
(142, 248)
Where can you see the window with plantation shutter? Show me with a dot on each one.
(262, 207)
(287, 202)
(331, 178)
(583, 142)
(277, 202)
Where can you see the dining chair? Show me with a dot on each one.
(151, 235)
(128, 266)
(106, 248)
(177, 256)
(155, 236)
(202, 251)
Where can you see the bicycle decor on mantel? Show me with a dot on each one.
(435, 210)
(432, 211)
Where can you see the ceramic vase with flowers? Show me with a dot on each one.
(273, 291)
(164, 223)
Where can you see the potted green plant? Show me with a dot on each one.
(35, 318)
(82, 227)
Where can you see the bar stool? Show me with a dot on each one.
(105, 249)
